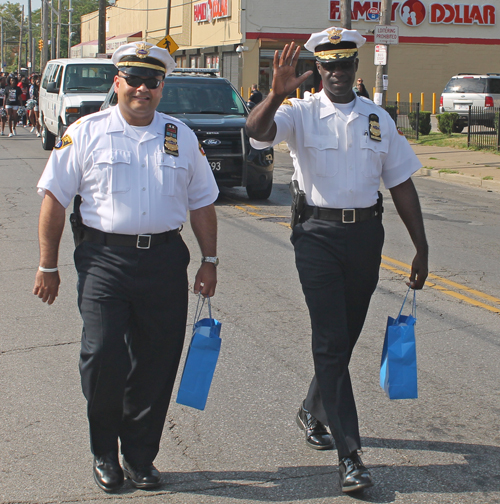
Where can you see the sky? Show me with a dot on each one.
(35, 4)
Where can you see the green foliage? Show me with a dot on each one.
(424, 122)
(393, 112)
(447, 122)
(11, 13)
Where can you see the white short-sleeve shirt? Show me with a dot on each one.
(127, 182)
(337, 162)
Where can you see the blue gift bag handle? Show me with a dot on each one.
(413, 305)
(199, 309)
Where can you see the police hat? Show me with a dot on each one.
(335, 44)
(143, 59)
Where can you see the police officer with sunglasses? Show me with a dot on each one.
(138, 173)
(342, 145)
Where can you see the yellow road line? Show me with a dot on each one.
(444, 290)
(257, 212)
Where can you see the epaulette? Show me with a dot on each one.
(287, 102)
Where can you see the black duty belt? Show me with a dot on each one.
(345, 215)
(142, 241)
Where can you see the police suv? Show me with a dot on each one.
(217, 114)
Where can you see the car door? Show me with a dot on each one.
(53, 99)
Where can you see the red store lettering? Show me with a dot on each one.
(462, 14)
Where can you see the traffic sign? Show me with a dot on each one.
(386, 34)
(380, 55)
(373, 14)
(168, 44)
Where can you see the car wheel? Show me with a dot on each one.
(48, 139)
(458, 128)
(260, 193)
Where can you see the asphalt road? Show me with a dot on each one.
(245, 447)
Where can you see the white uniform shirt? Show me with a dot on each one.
(127, 182)
(336, 162)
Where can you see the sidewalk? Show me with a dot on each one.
(476, 168)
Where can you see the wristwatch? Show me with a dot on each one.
(213, 260)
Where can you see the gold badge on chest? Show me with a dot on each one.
(374, 123)
(170, 144)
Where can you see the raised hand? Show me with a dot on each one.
(284, 78)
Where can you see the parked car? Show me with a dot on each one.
(217, 114)
(464, 90)
(70, 89)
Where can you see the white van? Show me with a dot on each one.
(70, 89)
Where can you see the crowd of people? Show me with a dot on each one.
(19, 102)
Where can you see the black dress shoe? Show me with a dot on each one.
(317, 436)
(142, 476)
(354, 476)
(107, 472)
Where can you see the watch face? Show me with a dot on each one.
(213, 260)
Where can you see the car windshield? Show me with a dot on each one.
(200, 97)
(466, 85)
(88, 78)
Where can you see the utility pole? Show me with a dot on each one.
(1, 44)
(70, 12)
(30, 39)
(167, 20)
(20, 43)
(385, 19)
(345, 14)
(101, 34)
(58, 32)
(44, 55)
(52, 48)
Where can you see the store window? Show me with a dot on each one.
(212, 61)
(194, 61)
(181, 61)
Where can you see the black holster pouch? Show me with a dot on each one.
(75, 219)
(298, 202)
(380, 206)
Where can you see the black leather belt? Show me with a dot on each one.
(345, 215)
(143, 241)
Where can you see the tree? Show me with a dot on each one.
(11, 13)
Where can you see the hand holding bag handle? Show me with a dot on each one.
(398, 366)
(201, 359)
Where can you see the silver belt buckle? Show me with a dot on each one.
(348, 215)
(143, 241)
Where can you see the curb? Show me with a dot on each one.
(492, 185)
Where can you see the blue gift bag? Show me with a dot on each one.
(398, 367)
(201, 360)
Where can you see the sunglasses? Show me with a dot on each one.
(135, 82)
(332, 66)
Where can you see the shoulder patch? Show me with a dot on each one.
(64, 142)
(201, 149)
(400, 132)
(287, 102)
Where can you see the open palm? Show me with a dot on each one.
(284, 78)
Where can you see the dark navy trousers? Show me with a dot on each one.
(338, 266)
(133, 304)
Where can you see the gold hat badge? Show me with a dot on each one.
(142, 50)
(335, 35)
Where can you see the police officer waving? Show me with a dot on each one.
(341, 145)
(138, 173)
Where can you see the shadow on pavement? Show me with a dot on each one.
(476, 473)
